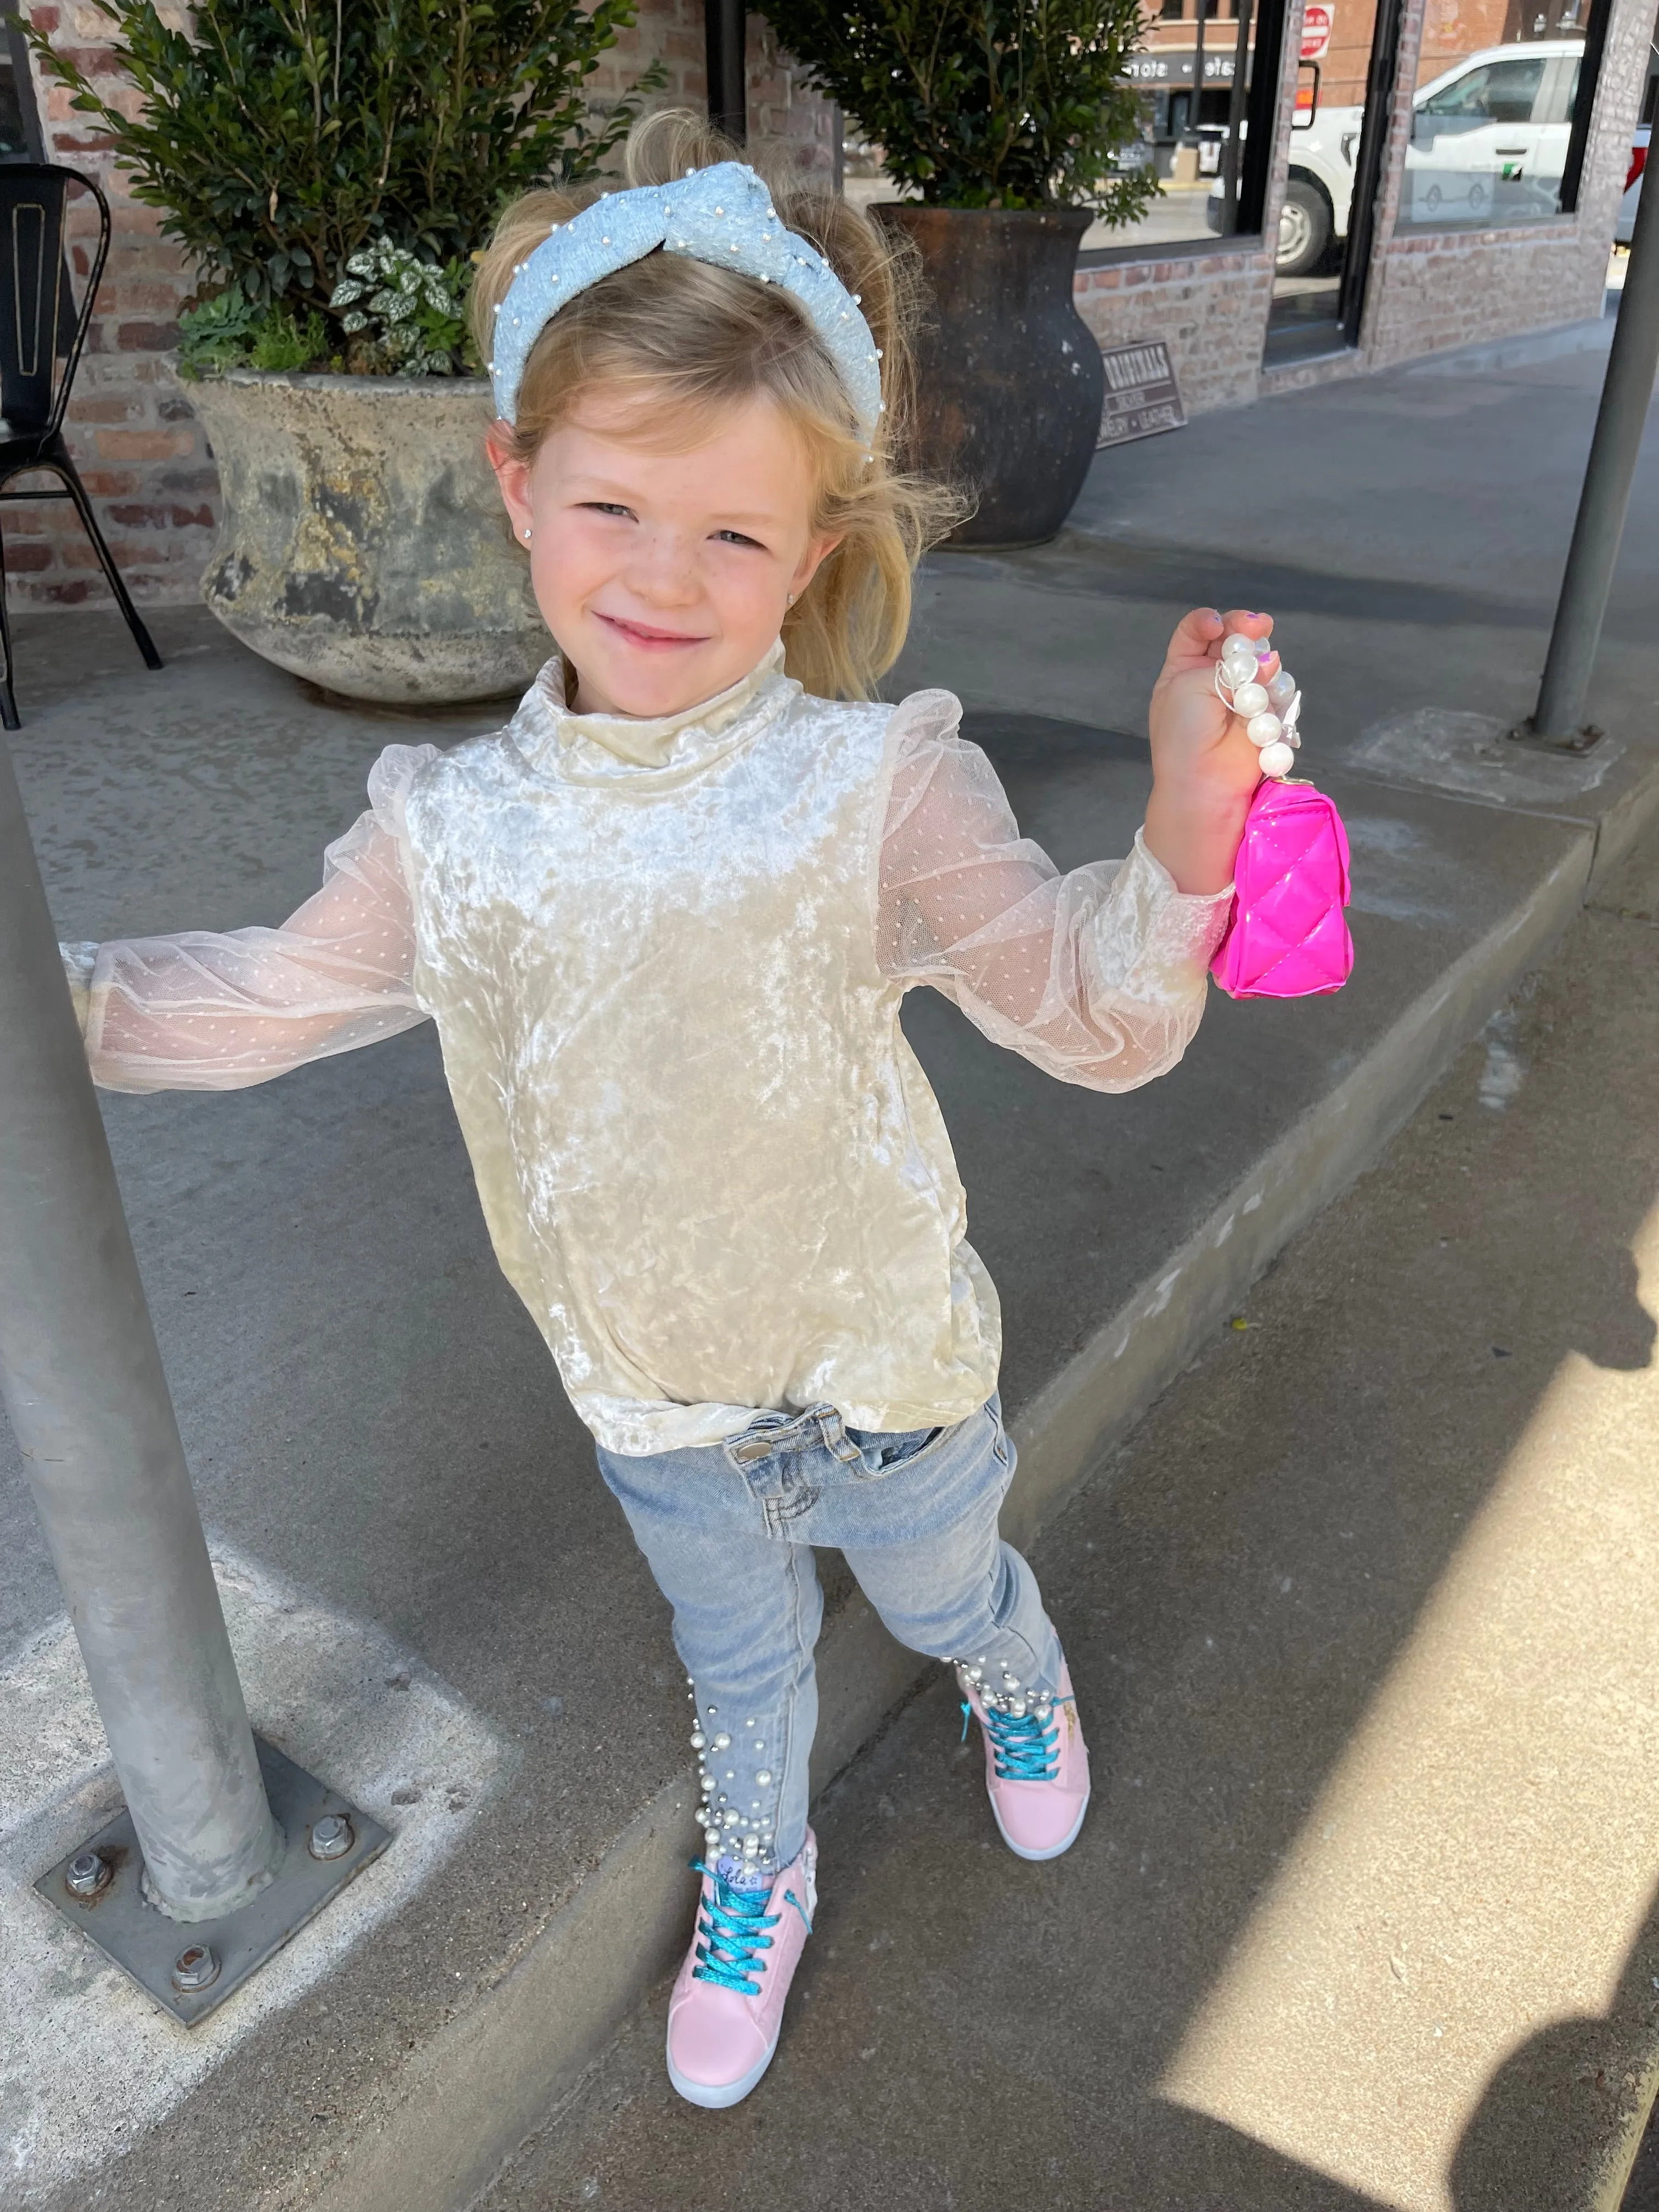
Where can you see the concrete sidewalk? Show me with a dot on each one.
(1362, 1912)
(435, 1601)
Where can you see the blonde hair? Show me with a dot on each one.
(672, 329)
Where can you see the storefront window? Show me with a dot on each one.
(1498, 87)
(1196, 70)
(1317, 253)
(1185, 72)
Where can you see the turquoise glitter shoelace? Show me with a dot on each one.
(1022, 1750)
(733, 1924)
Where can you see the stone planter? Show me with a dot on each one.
(1010, 383)
(362, 543)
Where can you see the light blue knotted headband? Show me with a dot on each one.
(722, 216)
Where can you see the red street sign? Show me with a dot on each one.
(1316, 22)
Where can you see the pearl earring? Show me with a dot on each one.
(527, 535)
(1270, 711)
(792, 599)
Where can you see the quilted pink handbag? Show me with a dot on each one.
(1288, 937)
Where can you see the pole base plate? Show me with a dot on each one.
(1575, 741)
(147, 1944)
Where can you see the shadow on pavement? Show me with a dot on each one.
(1572, 2072)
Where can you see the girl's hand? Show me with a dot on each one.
(1204, 769)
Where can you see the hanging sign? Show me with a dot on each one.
(1141, 395)
(1318, 21)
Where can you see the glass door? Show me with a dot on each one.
(1207, 73)
(1344, 81)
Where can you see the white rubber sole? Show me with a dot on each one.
(716, 2100)
(1055, 1851)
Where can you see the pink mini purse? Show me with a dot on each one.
(1288, 937)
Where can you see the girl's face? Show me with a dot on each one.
(663, 570)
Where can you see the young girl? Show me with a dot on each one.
(663, 921)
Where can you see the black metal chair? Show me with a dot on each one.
(42, 332)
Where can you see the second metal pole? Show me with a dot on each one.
(82, 1382)
(1195, 114)
(725, 25)
(1603, 504)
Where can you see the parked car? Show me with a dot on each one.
(1489, 141)
(1625, 222)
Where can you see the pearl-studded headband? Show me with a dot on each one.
(722, 216)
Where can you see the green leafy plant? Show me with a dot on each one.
(282, 341)
(229, 331)
(409, 314)
(985, 103)
(283, 136)
(218, 333)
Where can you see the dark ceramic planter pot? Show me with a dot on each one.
(1009, 379)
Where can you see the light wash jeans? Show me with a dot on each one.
(728, 1531)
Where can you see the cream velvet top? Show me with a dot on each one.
(666, 960)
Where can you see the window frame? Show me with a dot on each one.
(1255, 169)
(1583, 106)
(1370, 167)
(1262, 119)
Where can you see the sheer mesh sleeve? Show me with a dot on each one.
(1098, 976)
(206, 1011)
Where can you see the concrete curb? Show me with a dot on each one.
(1636, 2116)
(1622, 827)
(1097, 1396)
(493, 2076)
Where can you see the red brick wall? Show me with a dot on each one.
(1210, 309)
(780, 106)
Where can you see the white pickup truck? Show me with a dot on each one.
(1488, 145)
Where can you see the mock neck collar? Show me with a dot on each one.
(590, 748)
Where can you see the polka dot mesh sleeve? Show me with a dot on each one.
(1097, 976)
(207, 1011)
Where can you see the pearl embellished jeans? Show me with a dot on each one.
(728, 1531)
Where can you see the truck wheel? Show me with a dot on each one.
(1304, 229)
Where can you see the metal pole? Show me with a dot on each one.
(1626, 394)
(725, 26)
(1196, 113)
(82, 1382)
(1231, 150)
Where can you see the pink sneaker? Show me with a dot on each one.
(1037, 1764)
(728, 2005)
